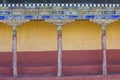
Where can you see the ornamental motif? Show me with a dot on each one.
(59, 11)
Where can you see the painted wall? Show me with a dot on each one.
(5, 38)
(37, 36)
(81, 35)
(42, 36)
(113, 38)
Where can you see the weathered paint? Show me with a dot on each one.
(14, 52)
(59, 73)
(104, 50)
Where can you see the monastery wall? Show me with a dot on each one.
(42, 36)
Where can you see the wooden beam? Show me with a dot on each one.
(104, 50)
(59, 35)
(14, 52)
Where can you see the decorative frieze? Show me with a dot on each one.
(59, 5)
(59, 11)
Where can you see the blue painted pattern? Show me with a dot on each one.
(59, 11)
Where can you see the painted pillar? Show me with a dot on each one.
(59, 24)
(103, 23)
(59, 44)
(104, 49)
(14, 23)
(14, 52)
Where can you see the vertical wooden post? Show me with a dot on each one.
(14, 52)
(59, 24)
(104, 22)
(59, 35)
(104, 50)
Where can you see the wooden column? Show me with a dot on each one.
(14, 52)
(59, 24)
(104, 50)
(14, 24)
(104, 23)
(59, 43)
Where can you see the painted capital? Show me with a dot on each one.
(14, 23)
(59, 22)
(103, 22)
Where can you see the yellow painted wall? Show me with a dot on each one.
(42, 36)
(81, 35)
(113, 35)
(5, 38)
(37, 36)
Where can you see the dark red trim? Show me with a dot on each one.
(75, 62)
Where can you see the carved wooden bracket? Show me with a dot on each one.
(15, 23)
(103, 21)
(59, 22)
